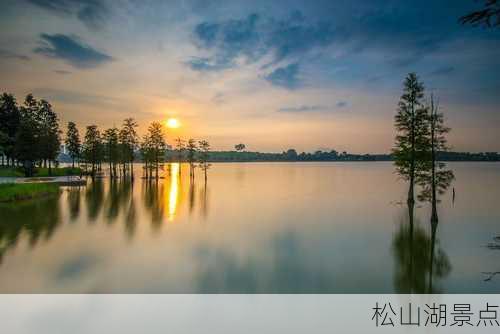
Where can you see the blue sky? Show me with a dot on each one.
(271, 74)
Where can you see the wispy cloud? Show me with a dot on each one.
(93, 13)
(303, 108)
(286, 77)
(445, 70)
(314, 108)
(71, 50)
(6, 54)
(62, 72)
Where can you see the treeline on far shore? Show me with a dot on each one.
(172, 155)
(291, 155)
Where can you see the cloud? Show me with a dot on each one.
(445, 70)
(71, 50)
(341, 104)
(6, 54)
(62, 72)
(93, 13)
(253, 37)
(303, 108)
(313, 108)
(286, 77)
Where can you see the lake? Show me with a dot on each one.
(332, 227)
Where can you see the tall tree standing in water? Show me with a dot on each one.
(10, 119)
(112, 150)
(72, 142)
(157, 145)
(412, 133)
(180, 147)
(191, 156)
(204, 148)
(128, 143)
(435, 178)
(92, 147)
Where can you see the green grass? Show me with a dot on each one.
(63, 171)
(39, 172)
(11, 172)
(18, 191)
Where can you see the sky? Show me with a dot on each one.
(273, 75)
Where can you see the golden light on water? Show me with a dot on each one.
(173, 194)
(172, 123)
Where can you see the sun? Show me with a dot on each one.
(173, 123)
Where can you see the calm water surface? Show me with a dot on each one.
(256, 228)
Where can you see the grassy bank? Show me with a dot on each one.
(18, 191)
(39, 172)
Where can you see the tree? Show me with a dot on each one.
(488, 16)
(49, 136)
(435, 178)
(412, 133)
(239, 147)
(204, 148)
(128, 142)
(291, 154)
(10, 119)
(191, 156)
(179, 147)
(27, 138)
(111, 149)
(156, 145)
(72, 142)
(92, 147)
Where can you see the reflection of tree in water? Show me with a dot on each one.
(204, 201)
(37, 219)
(289, 271)
(94, 197)
(153, 200)
(420, 262)
(74, 196)
(119, 198)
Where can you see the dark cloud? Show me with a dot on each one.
(228, 41)
(341, 104)
(253, 37)
(445, 70)
(93, 13)
(71, 50)
(286, 77)
(6, 54)
(303, 108)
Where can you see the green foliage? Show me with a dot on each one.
(412, 130)
(92, 147)
(72, 142)
(10, 119)
(435, 179)
(204, 149)
(18, 191)
(239, 147)
(153, 147)
(191, 150)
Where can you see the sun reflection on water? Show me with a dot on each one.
(173, 194)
